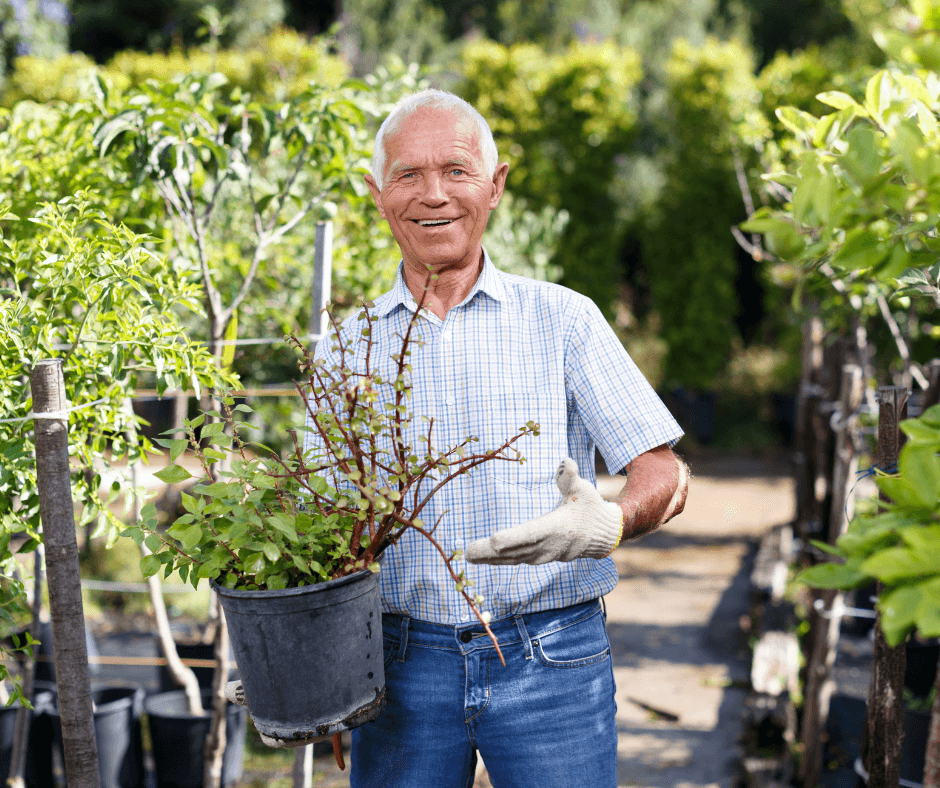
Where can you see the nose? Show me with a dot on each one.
(434, 193)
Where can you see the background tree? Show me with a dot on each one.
(76, 284)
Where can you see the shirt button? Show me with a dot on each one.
(449, 400)
(465, 637)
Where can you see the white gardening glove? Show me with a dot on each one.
(583, 526)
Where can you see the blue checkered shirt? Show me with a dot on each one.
(514, 350)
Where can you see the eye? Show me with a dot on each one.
(457, 171)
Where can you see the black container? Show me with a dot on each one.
(203, 675)
(117, 734)
(38, 767)
(178, 739)
(913, 748)
(920, 665)
(310, 658)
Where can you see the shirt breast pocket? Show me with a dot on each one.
(503, 419)
(519, 491)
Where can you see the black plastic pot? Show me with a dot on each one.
(310, 658)
(203, 675)
(920, 665)
(913, 750)
(117, 734)
(38, 767)
(178, 740)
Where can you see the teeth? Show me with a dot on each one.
(433, 222)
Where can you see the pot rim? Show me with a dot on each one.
(263, 593)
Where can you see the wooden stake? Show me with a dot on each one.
(47, 385)
(884, 716)
(303, 767)
(825, 618)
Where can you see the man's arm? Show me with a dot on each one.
(655, 491)
(587, 526)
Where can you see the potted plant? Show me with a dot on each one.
(292, 543)
(899, 545)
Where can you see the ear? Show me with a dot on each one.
(376, 194)
(499, 183)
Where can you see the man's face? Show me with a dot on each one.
(436, 195)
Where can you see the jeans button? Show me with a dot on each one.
(465, 637)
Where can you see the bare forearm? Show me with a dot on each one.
(655, 491)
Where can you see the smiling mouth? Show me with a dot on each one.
(432, 222)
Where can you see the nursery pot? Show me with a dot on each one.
(117, 713)
(38, 766)
(203, 675)
(310, 658)
(178, 739)
(913, 750)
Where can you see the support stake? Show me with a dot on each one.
(47, 385)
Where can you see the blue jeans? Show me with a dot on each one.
(547, 719)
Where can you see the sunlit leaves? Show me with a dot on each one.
(900, 546)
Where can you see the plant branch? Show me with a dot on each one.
(903, 350)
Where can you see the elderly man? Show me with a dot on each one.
(498, 351)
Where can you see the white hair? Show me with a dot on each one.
(433, 99)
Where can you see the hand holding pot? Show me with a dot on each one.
(583, 526)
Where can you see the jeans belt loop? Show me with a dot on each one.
(520, 625)
(404, 638)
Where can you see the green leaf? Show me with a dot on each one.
(878, 94)
(826, 547)
(839, 100)
(862, 249)
(920, 466)
(210, 430)
(901, 563)
(231, 334)
(796, 120)
(173, 474)
(134, 533)
(831, 575)
(277, 582)
(283, 523)
(898, 610)
(176, 446)
(271, 552)
(149, 565)
(190, 537)
(921, 433)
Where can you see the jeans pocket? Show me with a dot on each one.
(576, 645)
(390, 648)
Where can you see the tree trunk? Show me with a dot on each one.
(65, 592)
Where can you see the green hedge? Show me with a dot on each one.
(561, 121)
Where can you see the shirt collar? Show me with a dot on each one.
(488, 282)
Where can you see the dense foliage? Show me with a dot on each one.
(710, 131)
(861, 214)
(77, 283)
(561, 122)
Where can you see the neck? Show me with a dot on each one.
(452, 285)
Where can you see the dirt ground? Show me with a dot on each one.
(675, 624)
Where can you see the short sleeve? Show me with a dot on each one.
(606, 390)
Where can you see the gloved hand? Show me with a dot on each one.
(583, 526)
